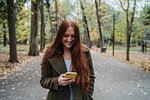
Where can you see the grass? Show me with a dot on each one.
(22, 47)
(131, 49)
(19, 48)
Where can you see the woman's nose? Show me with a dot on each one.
(69, 38)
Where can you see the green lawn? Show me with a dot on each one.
(26, 48)
(131, 48)
(19, 48)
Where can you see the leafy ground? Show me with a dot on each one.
(22, 50)
(137, 58)
(6, 67)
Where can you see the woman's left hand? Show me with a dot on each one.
(64, 81)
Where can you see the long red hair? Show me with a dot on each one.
(79, 61)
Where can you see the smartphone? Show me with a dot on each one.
(70, 75)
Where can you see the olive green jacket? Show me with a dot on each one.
(49, 80)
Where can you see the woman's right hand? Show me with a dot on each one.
(64, 81)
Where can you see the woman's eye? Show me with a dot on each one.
(72, 36)
(66, 35)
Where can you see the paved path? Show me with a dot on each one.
(114, 81)
(119, 81)
(23, 84)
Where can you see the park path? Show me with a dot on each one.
(23, 84)
(114, 81)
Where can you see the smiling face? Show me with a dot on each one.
(68, 38)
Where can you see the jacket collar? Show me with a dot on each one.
(58, 64)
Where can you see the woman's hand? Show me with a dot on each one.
(64, 81)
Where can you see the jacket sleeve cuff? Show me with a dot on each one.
(56, 85)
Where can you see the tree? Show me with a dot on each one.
(5, 38)
(56, 19)
(113, 35)
(129, 24)
(89, 10)
(86, 25)
(64, 10)
(49, 14)
(99, 26)
(3, 16)
(33, 49)
(42, 46)
(120, 32)
(12, 32)
(23, 25)
(146, 15)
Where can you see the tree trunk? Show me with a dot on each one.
(128, 38)
(86, 24)
(129, 29)
(33, 49)
(42, 46)
(99, 26)
(52, 28)
(85, 41)
(129, 26)
(113, 37)
(88, 33)
(4, 28)
(132, 17)
(56, 20)
(12, 32)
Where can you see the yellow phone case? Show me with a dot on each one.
(70, 75)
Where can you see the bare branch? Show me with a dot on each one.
(133, 13)
(122, 5)
(128, 5)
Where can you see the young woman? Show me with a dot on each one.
(67, 54)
